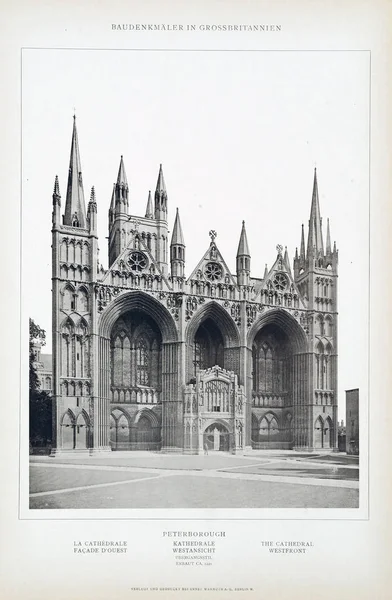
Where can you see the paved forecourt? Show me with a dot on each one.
(145, 480)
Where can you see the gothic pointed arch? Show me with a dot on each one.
(68, 430)
(137, 300)
(68, 297)
(82, 430)
(82, 299)
(212, 338)
(221, 317)
(286, 322)
(318, 433)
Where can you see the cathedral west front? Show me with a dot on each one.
(148, 358)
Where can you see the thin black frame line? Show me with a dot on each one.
(195, 49)
(21, 278)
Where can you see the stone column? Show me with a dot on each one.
(172, 401)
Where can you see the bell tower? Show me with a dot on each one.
(316, 275)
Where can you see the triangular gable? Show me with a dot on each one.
(212, 267)
(121, 263)
(279, 279)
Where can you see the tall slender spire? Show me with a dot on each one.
(121, 189)
(265, 272)
(243, 248)
(328, 249)
(315, 236)
(122, 177)
(149, 213)
(177, 249)
(177, 235)
(75, 210)
(160, 196)
(243, 258)
(302, 251)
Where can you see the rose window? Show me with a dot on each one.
(280, 282)
(213, 271)
(137, 261)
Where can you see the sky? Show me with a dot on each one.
(238, 134)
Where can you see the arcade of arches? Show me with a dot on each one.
(136, 388)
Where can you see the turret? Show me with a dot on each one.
(121, 190)
(118, 214)
(243, 258)
(56, 202)
(149, 213)
(177, 249)
(92, 213)
(75, 211)
(161, 197)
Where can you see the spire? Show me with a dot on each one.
(177, 250)
(160, 196)
(315, 236)
(177, 236)
(328, 244)
(149, 213)
(243, 248)
(243, 259)
(75, 210)
(121, 189)
(122, 177)
(92, 201)
(265, 272)
(113, 200)
(92, 212)
(56, 189)
(302, 251)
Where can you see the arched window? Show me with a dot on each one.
(82, 300)
(142, 363)
(269, 428)
(68, 298)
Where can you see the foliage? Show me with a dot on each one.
(40, 402)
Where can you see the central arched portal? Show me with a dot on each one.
(217, 438)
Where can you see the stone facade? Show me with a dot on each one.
(147, 358)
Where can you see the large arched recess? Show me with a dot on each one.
(228, 329)
(298, 397)
(171, 394)
(286, 322)
(143, 302)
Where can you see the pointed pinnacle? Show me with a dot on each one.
(302, 251)
(149, 213)
(243, 247)
(177, 236)
(122, 177)
(265, 271)
(328, 243)
(161, 186)
(92, 196)
(56, 189)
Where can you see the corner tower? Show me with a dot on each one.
(316, 275)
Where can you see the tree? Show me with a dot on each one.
(40, 402)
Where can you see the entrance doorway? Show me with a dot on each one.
(217, 438)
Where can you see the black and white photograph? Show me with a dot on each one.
(195, 256)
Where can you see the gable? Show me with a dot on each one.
(133, 265)
(278, 286)
(213, 268)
